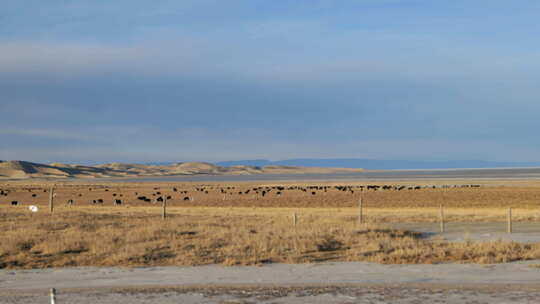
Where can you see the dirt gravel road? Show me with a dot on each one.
(279, 283)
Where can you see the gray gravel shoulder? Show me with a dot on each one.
(272, 274)
(517, 282)
(400, 294)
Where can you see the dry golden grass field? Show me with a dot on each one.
(234, 224)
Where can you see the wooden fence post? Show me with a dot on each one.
(51, 199)
(164, 208)
(360, 215)
(53, 295)
(509, 221)
(441, 218)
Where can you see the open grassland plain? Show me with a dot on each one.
(121, 224)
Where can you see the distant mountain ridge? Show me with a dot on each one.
(16, 169)
(373, 164)
(25, 170)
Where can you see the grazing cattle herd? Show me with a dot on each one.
(157, 196)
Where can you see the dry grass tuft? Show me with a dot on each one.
(136, 237)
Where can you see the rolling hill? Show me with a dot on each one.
(16, 169)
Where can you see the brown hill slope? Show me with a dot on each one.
(22, 169)
(25, 170)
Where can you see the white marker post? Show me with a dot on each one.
(53, 296)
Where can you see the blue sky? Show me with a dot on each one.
(138, 81)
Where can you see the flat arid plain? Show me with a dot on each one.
(203, 151)
(303, 241)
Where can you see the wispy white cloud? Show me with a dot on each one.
(278, 52)
(43, 133)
